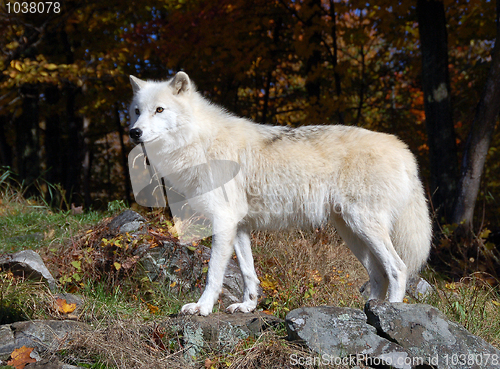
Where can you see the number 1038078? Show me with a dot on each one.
(42, 7)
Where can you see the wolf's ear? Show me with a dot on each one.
(181, 83)
(137, 83)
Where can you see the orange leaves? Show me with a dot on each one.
(40, 71)
(63, 307)
(153, 309)
(21, 357)
(268, 284)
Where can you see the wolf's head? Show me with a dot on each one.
(159, 110)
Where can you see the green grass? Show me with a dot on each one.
(31, 226)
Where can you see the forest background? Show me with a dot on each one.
(425, 70)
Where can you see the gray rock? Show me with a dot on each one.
(71, 299)
(393, 335)
(185, 266)
(417, 287)
(335, 333)
(43, 335)
(128, 221)
(29, 264)
(218, 332)
(7, 341)
(427, 334)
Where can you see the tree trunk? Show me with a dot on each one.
(87, 164)
(126, 172)
(313, 14)
(27, 136)
(437, 103)
(336, 74)
(478, 141)
(73, 160)
(5, 149)
(53, 142)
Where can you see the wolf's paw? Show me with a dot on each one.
(195, 309)
(243, 307)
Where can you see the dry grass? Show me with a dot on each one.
(269, 351)
(125, 344)
(473, 303)
(307, 269)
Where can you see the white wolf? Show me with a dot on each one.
(365, 183)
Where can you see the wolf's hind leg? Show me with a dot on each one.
(243, 251)
(378, 279)
(384, 254)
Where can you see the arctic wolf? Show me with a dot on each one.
(365, 183)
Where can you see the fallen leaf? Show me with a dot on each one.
(153, 309)
(208, 363)
(158, 338)
(63, 307)
(21, 357)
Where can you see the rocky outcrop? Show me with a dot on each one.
(394, 335)
(219, 332)
(28, 264)
(42, 335)
(384, 335)
(184, 266)
(127, 222)
(342, 336)
(425, 332)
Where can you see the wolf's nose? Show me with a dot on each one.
(135, 133)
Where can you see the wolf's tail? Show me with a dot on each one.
(412, 232)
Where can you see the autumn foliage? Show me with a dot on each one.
(64, 78)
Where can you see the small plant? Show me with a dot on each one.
(116, 206)
(472, 302)
(21, 299)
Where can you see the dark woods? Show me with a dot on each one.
(424, 71)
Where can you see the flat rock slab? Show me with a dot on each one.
(389, 335)
(219, 331)
(28, 264)
(335, 333)
(43, 335)
(426, 333)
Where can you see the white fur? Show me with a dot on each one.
(365, 183)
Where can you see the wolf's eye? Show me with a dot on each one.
(159, 110)
(137, 112)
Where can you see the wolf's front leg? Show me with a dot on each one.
(245, 259)
(222, 249)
